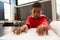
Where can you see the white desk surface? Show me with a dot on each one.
(30, 35)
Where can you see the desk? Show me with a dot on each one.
(30, 35)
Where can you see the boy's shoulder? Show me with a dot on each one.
(44, 16)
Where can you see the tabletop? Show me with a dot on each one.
(31, 35)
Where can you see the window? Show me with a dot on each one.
(58, 7)
(7, 10)
(25, 1)
(7, 1)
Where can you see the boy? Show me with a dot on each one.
(35, 20)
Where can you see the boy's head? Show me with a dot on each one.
(36, 9)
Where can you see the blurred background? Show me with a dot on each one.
(16, 10)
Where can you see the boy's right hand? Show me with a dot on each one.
(17, 31)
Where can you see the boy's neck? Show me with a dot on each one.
(35, 17)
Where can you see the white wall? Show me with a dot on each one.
(12, 12)
(53, 9)
(7, 11)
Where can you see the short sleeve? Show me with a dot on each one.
(28, 21)
(44, 21)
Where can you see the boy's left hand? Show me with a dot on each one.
(40, 29)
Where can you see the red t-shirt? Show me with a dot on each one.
(33, 23)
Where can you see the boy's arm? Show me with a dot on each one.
(26, 25)
(44, 22)
(28, 22)
(24, 28)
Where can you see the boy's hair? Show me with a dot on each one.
(36, 4)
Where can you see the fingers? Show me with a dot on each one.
(14, 30)
(37, 30)
(25, 29)
(46, 30)
(18, 31)
(40, 31)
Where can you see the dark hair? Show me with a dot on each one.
(36, 4)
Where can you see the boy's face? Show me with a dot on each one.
(36, 12)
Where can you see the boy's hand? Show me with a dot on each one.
(40, 29)
(17, 31)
